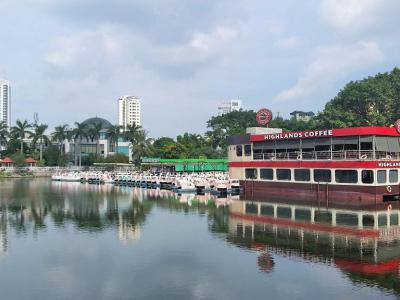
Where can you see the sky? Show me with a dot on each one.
(70, 60)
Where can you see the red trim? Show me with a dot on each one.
(316, 164)
(353, 131)
(306, 225)
(368, 268)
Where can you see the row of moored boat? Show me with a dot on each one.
(217, 182)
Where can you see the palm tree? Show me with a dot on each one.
(131, 131)
(141, 146)
(59, 135)
(20, 130)
(79, 132)
(114, 133)
(94, 134)
(3, 134)
(40, 136)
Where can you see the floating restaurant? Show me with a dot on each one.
(352, 166)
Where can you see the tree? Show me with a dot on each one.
(94, 134)
(40, 136)
(20, 131)
(228, 124)
(59, 135)
(141, 146)
(3, 134)
(79, 132)
(131, 132)
(114, 133)
(373, 101)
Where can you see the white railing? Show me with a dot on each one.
(329, 155)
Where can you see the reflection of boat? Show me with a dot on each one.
(366, 242)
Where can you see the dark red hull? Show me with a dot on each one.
(320, 194)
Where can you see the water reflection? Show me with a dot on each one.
(363, 244)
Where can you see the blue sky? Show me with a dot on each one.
(71, 59)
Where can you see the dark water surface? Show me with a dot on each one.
(78, 241)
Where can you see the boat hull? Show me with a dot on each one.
(321, 194)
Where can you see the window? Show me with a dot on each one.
(393, 176)
(284, 212)
(321, 175)
(239, 150)
(267, 174)
(251, 173)
(302, 175)
(251, 208)
(367, 176)
(346, 176)
(247, 150)
(381, 176)
(283, 174)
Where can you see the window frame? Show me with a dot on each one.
(283, 169)
(255, 170)
(346, 170)
(302, 170)
(325, 170)
(261, 169)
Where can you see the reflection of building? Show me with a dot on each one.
(366, 242)
(5, 102)
(127, 232)
(128, 111)
(302, 115)
(229, 106)
(3, 231)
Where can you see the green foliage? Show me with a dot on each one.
(19, 160)
(373, 101)
(53, 157)
(116, 158)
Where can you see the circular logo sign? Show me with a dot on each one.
(264, 116)
(397, 125)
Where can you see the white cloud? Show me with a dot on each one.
(212, 41)
(288, 43)
(350, 16)
(331, 64)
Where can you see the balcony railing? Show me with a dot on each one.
(329, 155)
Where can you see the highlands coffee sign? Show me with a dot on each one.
(299, 134)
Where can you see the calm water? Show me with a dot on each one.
(77, 241)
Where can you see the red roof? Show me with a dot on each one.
(351, 131)
(7, 160)
(30, 160)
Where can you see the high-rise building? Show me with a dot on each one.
(5, 102)
(229, 106)
(128, 111)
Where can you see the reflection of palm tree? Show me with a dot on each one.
(40, 136)
(79, 132)
(20, 130)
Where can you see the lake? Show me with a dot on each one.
(80, 241)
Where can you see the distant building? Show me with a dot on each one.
(302, 115)
(5, 102)
(128, 111)
(105, 146)
(229, 106)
